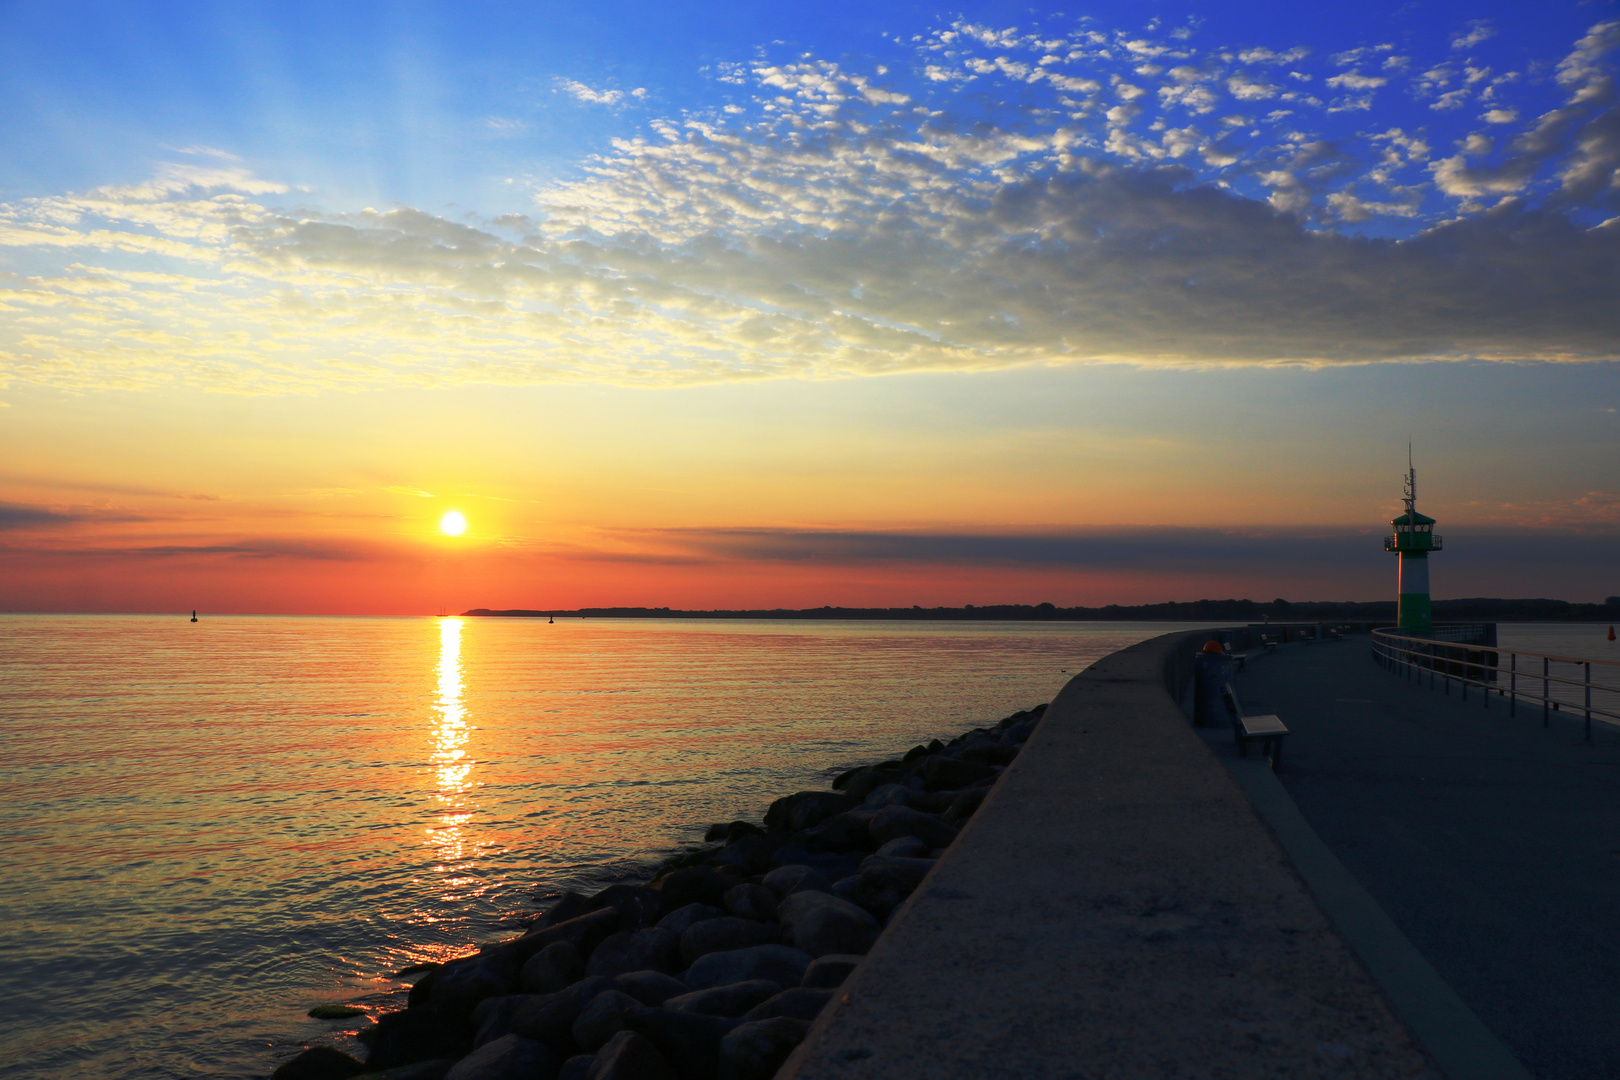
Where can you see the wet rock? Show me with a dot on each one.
(804, 809)
(887, 795)
(550, 1017)
(744, 855)
(795, 878)
(723, 934)
(436, 1069)
(932, 802)
(901, 847)
(570, 906)
(830, 971)
(778, 963)
(629, 1056)
(577, 1067)
(418, 1034)
(1018, 733)
(754, 1051)
(694, 884)
(688, 1041)
(751, 902)
(964, 805)
(602, 1018)
(492, 1017)
(335, 1012)
(551, 969)
(650, 987)
(862, 782)
(654, 948)
(942, 772)
(319, 1063)
(677, 921)
(820, 923)
(831, 863)
(733, 999)
(893, 822)
(838, 833)
(583, 933)
(511, 1057)
(637, 905)
(877, 900)
(462, 984)
(799, 1003)
(994, 753)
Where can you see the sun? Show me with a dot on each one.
(453, 524)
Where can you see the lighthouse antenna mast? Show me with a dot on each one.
(1410, 486)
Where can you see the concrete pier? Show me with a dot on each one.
(1493, 844)
(1115, 909)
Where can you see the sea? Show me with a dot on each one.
(208, 829)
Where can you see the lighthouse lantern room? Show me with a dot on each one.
(1413, 539)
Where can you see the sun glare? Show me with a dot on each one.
(453, 523)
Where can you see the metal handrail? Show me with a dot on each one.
(1449, 661)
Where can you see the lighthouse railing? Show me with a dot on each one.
(1555, 683)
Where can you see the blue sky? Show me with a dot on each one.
(1001, 250)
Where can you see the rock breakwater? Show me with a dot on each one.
(713, 970)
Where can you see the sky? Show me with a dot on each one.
(792, 304)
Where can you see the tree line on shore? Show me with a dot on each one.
(1467, 610)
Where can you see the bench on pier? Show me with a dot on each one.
(1268, 731)
(1240, 660)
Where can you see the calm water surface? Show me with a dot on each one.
(207, 829)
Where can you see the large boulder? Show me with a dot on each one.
(893, 822)
(682, 917)
(804, 809)
(964, 806)
(577, 1067)
(550, 1017)
(693, 884)
(553, 968)
(511, 1057)
(654, 948)
(791, 879)
(724, 934)
(637, 905)
(582, 932)
(820, 923)
(319, 1063)
(602, 1019)
(832, 864)
(730, 1000)
(799, 1003)
(841, 832)
(778, 963)
(830, 971)
(751, 902)
(941, 773)
(492, 1017)
(888, 795)
(462, 984)
(688, 1041)
(902, 847)
(650, 987)
(990, 753)
(419, 1034)
(629, 1056)
(754, 1051)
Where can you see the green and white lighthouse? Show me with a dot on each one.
(1413, 539)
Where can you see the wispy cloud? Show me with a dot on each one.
(1016, 197)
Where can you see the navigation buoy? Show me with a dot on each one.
(194, 619)
(553, 619)
(1611, 633)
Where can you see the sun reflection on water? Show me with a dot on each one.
(452, 766)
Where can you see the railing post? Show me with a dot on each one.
(1513, 684)
(1589, 701)
(1544, 685)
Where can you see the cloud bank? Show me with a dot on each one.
(991, 198)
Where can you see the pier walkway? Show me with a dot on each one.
(1114, 910)
(1491, 842)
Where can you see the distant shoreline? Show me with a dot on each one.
(1480, 609)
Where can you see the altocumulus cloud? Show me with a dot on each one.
(1001, 198)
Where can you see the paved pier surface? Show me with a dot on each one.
(1491, 842)
(1114, 910)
